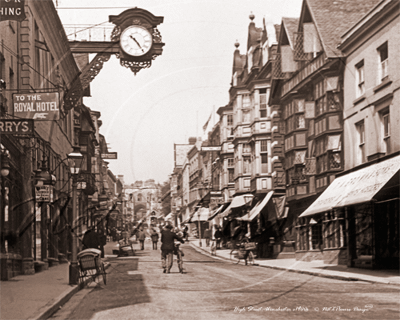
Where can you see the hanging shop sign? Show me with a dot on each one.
(37, 106)
(216, 200)
(110, 155)
(8, 126)
(44, 193)
(211, 148)
(12, 10)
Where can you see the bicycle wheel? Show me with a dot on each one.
(250, 258)
(170, 260)
(234, 255)
(213, 249)
(103, 273)
(180, 263)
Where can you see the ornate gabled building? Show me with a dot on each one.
(226, 160)
(308, 87)
(257, 140)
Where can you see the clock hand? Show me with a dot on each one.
(134, 39)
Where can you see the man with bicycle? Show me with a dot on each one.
(167, 247)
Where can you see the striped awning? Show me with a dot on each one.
(200, 215)
(256, 209)
(237, 202)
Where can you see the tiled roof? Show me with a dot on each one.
(291, 25)
(277, 31)
(333, 17)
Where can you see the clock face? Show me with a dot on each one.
(136, 41)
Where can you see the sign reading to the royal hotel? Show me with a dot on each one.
(37, 106)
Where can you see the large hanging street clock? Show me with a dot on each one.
(136, 41)
(138, 37)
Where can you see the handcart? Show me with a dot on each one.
(91, 267)
(126, 248)
(243, 251)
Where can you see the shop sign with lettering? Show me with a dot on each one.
(37, 106)
(215, 148)
(8, 126)
(12, 10)
(110, 155)
(44, 194)
(216, 200)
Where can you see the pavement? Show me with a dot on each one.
(38, 296)
(316, 268)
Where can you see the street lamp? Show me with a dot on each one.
(5, 170)
(247, 200)
(74, 160)
(199, 226)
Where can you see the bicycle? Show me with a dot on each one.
(243, 251)
(91, 266)
(179, 256)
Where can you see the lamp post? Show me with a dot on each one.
(74, 159)
(247, 199)
(5, 170)
(199, 226)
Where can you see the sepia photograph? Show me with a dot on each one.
(199, 159)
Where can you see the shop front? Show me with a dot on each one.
(355, 221)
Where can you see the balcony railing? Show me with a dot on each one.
(302, 74)
(84, 32)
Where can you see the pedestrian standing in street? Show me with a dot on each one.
(103, 240)
(167, 247)
(218, 236)
(91, 239)
(207, 236)
(154, 238)
(141, 238)
(186, 233)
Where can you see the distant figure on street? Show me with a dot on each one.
(91, 239)
(167, 247)
(218, 237)
(186, 233)
(154, 238)
(207, 236)
(102, 239)
(125, 236)
(141, 237)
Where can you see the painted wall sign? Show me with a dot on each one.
(8, 126)
(110, 155)
(12, 10)
(37, 106)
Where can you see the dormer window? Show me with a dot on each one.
(250, 59)
(311, 43)
(235, 79)
(265, 52)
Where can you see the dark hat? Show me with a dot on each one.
(168, 226)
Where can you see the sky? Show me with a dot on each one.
(143, 115)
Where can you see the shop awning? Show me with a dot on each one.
(186, 220)
(216, 212)
(355, 187)
(200, 215)
(257, 208)
(237, 202)
(168, 216)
